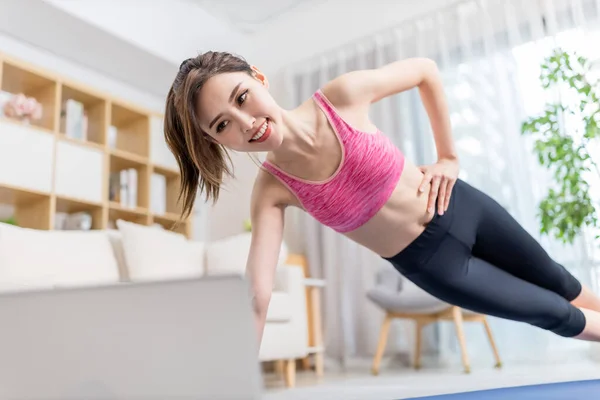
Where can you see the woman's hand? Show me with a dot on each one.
(442, 176)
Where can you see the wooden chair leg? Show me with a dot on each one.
(306, 363)
(279, 367)
(418, 342)
(383, 335)
(319, 364)
(290, 373)
(460, 332)
(488, 330)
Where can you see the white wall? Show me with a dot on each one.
(90, 77)
(329, 24)
(171, 29)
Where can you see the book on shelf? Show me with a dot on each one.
(123, 187)
(74, 120)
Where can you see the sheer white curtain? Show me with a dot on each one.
(489, 53)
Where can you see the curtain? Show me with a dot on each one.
(489, 54)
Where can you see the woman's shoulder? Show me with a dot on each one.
(269, 191)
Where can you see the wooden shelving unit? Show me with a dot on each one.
(44, 172)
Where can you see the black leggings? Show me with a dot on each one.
(476, 256)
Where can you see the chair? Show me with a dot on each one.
(400, 298)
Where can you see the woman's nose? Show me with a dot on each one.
(248, 124)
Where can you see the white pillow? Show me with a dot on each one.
(32, 257)
(152, 253)
(230, 255)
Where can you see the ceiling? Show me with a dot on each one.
(249, 17)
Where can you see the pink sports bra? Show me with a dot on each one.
(368, 172)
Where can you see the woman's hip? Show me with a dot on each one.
(458, 222)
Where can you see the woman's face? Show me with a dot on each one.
(237, 111)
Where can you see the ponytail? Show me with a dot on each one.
(201, 160)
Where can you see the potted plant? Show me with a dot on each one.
(10, 221)
(564, 134)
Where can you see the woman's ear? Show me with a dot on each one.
(260, 76)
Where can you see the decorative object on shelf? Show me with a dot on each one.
(23, 108)
(10, 221)
(80, 221)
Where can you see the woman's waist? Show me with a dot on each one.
(398, 223)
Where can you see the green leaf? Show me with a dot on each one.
(567, 209)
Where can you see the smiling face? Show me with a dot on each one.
(237, 111)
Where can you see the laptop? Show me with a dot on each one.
(179, 339)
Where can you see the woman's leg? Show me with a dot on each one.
(587, 299)
(478, 257)
(591, 331)
(502, 241)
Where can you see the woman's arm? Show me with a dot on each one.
(267, 219)
(364, 87)
(359, 89)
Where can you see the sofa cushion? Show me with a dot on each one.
(152, 253)
(280, 307)
(31, 257)
(116, 241)
(230, 255)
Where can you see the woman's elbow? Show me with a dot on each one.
(261, 300)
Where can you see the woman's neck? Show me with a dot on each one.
(299, 133)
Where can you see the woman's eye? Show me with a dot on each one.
(221, 126)
(242, 97)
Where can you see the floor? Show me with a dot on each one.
(402, 383)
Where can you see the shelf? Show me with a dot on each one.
(120, 160)
(95, 109)
(167, 218)
(80, 142)
(165, 184)
(138, 215)
(19, 124)
(72, 205)
(132, 130)
(69, 205)
(62, 165)
(166, 171)
(16, 80)
(15, 195)
(171, 222)
(129, 172)
(32, 208)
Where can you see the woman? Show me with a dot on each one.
(328, 159)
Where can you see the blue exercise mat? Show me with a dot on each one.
(577, 390)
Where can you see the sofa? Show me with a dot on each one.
(53, 259)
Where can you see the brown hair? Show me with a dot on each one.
(201, 160)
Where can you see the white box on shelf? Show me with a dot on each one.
(158, 197)
(79, 172)
(18, 143)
